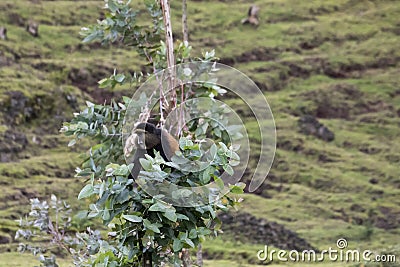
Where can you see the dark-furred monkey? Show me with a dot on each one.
(150, 138)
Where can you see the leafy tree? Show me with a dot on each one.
(171, 206)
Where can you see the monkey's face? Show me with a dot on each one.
(140, 140)
(146, 140)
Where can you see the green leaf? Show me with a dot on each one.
(183, 142)
(105, 83)
(92, 164)
(123, 196)
(182, 236)
(203, 231)
(112, 6)
(158, 207)
(236, 189)
(93, 35)
(211, 210)
(228, 169)
(192, 234)
(72, 142)
(199, 131)
(219, 182)
(106, 215)
(126, 99)
(189, 242)
(82, 125)
(235, 156)
(120, 78)
(223, 146)
(182, 216)
(180, 160)
(151, 226)
(132, 218)
(102, 188)
(93, 214)
(90, 104)
(147, 201)
(177, 245)
(181, 193)
(86, 191)
(172, 164)
(122, 170)
(206, 175)
(217, 132)
(213, 150)
(234, 163)
(171, 215)
(102, 81)
(146, 164)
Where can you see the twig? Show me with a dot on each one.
(169, 42)
(184, 22)
(169, 39)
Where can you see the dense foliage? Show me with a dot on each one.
(145, 225)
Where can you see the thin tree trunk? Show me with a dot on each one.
(199, 256)
(169, 42)
(185, 29)
(186, 258)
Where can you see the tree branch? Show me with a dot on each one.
(185, 29)
(169, 42)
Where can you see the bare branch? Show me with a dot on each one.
(185, 29)
(169, 42)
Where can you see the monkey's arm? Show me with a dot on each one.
(136, 161)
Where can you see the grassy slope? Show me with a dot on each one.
(301, 53)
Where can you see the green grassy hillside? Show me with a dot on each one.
(338, 60)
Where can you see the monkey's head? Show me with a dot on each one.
(147, 136)
(150, 138)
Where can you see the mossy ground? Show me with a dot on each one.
(302, 55)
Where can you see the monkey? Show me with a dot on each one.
(150, 138)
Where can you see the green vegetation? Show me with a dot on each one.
(337, 60)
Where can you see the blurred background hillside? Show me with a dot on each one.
(325, 62)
